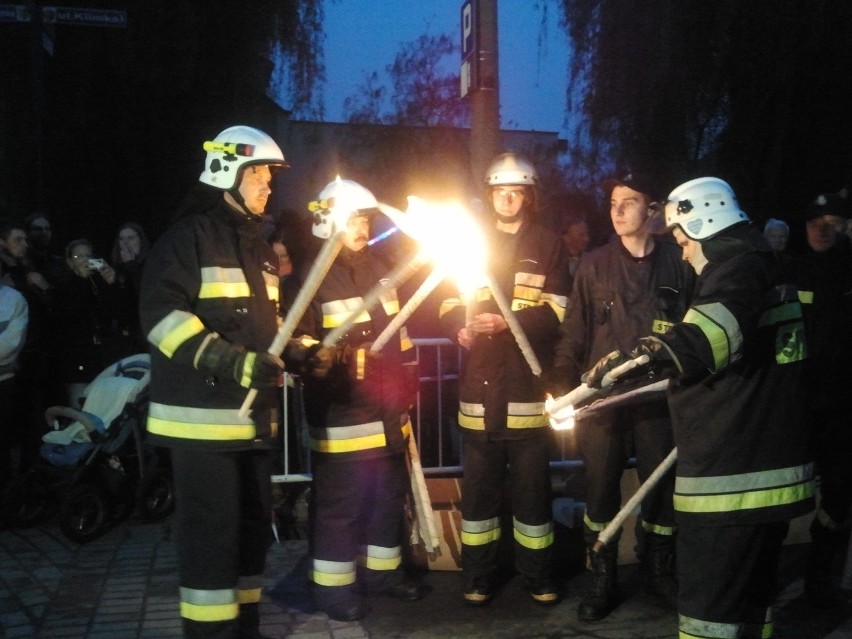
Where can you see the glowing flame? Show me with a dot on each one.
(450, 237)
(562, 419)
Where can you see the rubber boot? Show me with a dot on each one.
(825, 546)
(602, 598)
(659, 564)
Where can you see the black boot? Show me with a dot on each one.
(659, 563)
(250, 622)
(603, 596)
(819, 582)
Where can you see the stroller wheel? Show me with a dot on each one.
(26, 501)
(155, 496)
(85, 513)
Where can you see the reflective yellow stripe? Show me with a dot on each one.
(360, 363)
(381, 558)
(559, 304)
(479, 533)
(449, 304)
(333, 573)
(667, 531)
(520, 415)
(594, 525)
(660, 326)
(183, 422)
(336, 312)
(217, 281)
(763, 630)
(347, 439)
(533, 537)
(535, 280)
(689, 628)
(806, 297)
(391, 306)
(248, 366)
(249, 589)
(249, 596)
(527, 294)
(720, 328)
(173, 330)
(272, 285)
(208, 605)
(405, 343)
(765, 489)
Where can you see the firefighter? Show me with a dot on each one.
(358, 422)
(824, 276)
(631, 286)
(506, 435)
(208, 306)
(738, 406)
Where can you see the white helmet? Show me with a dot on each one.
(234, 149)
(511, 168)
(336, 202)
(703, 207)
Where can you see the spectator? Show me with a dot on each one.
(128, 254)
(40, 239)
(631, 286)
(501, 402)
(575, 238)
(824, 277)
(359, 427)
(737, 406)
(13, 330)
(86, 319)
(777, 234)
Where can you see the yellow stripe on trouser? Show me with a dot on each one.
(249, 589)
(533, 537)
(689, 628)
(479, 533)
(209, 605)
(381, 558)
(333, 573)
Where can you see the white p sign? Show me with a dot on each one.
(467, 72)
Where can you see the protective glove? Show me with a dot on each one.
(310, 357)
(249, 369)
(594, 376)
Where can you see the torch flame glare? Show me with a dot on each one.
(563, 419)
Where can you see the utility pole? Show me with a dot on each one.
(480, 81)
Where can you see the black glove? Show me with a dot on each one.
(411, 382)
(594, 376)
(249, 369)
(310, 357)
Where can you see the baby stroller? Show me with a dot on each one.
(94, 465)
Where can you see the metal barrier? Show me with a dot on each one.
(434, 418)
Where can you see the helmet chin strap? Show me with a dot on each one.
(509, 219)
(239, 204)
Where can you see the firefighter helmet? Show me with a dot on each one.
(233, 150)
(702, 208)
(337, 199)
(511, 168)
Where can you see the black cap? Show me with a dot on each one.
(827, 204)
(638, 181)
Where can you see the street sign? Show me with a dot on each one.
(14, 13)
(84, 17)
(469, 49)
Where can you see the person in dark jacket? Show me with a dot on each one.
(824, 278)
(208, 306)
(501, 400)
(737, 408)
(358, 417)
(623, 290)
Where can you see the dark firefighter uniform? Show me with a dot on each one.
(825, 291)
(617, 298)
(501, 403)
(358, 423)
(210, 274)
(737, 410)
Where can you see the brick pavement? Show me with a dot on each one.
(124, 586)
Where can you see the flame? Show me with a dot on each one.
(563, 419)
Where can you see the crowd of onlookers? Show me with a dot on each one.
(81, 315)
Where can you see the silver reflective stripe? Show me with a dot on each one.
(530, 279)
(721, 329)
(334, 567)
(744, 481)
(217, 281)
(208, 597)
(526, 408)
(533, 531)
(483, 525)
(690, 628)
(474, 410)
(224, 416)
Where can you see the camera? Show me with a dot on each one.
(95, 263)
